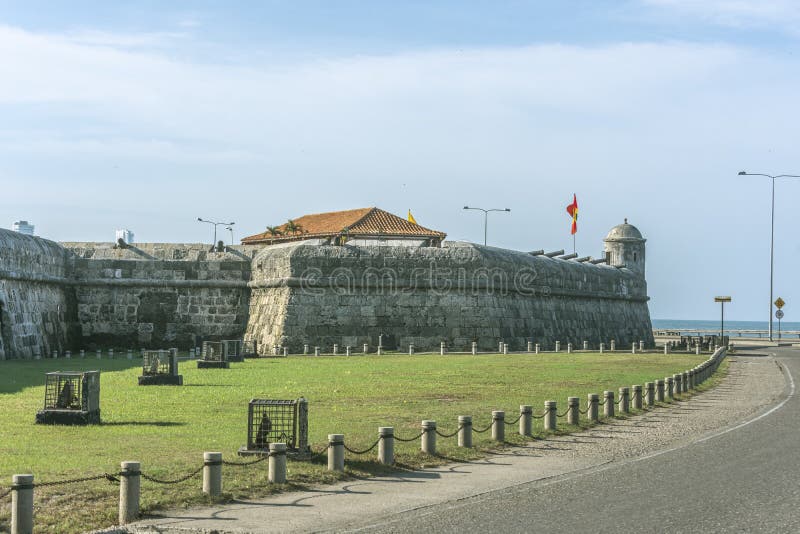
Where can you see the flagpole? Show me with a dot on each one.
(573, 244)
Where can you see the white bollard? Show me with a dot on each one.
(499, 425)
(366, 348)
(212, 473)
(550, 415)
(277, 463)
(110, 354)
(386, 445)
(129, 485)
(641, 346)
(525, 420)
(428, 444)
(530, 346)
(585, 345)
(569, 348)
(608, 406)
(602, 347)
(500, 347)
(465, 431)
(537, 348)
(505, 348)
(55, 354)
(592, 407)
(380, 350)
(83, 353)
(410, 349)
(474, 348)
(22, 504)
(633, 348)
(558, 346)
(99, 353)
(613, 345)
(68, 354)
(285, 351)
(442, 348)
(335, 452)
(305, 349)
(573, 410)
(666, 348)
(624, 394)
(130, 354)
(335, 349)
(348, 350)
(316, 351)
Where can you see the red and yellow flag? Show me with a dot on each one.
(572, 209)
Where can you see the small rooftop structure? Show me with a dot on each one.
(364, 225)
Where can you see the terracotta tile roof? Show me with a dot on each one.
(356, 223)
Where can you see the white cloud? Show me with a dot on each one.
(783, 15)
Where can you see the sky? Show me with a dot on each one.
(148, 115)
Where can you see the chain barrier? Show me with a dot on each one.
(176, 481)
(544, 414)
(323, 450)
(107, 476)
(602, 403)
(484, 430)
(450, 435)
(583, 412)
(514, 422)
(410, 439)
(563, 414)
(365, 451)
(241, 464)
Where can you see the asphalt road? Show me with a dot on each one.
(744, 480)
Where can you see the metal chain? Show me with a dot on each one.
(484, 430)
(563, 414)
(365, 451)
(514, 422)
(540, 416)
(450, 435)
(583, 412)
(176, 481)
(107, 476)
(410, 439)
(241, 464)
(602, 403)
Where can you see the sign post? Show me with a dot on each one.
(722, 301)
(779, 303)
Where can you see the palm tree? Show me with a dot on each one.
(274, 231)
(292, 227)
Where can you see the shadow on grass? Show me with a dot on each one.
(141, 423)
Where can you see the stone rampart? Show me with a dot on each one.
(459, 293)
(36, 310)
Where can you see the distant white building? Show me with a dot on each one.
(125, 235)
(23, 227)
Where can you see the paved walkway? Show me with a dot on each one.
(753, 384)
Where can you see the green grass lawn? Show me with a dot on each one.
(168, 428)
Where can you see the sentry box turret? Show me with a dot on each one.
(71, 398)
(276, 421)
(233, 350)
(160, 368)
(213, 356)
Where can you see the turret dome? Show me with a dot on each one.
(624, 232)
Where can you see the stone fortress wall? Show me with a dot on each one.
(93, 295)
(459, 293)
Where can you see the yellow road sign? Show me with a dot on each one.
(779, 303)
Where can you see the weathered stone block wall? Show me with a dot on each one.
(36, 307)
(462, 292)
(159, 295)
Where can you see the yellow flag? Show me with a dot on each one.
(411, 218)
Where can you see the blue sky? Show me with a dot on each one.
(147, 115)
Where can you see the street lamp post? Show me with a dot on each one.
(486, 218)
(215, 223)
(230, 228)
(722, 301)
(771, 236)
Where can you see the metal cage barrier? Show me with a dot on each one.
(232, 350)
(155, 362)
(213, 351)
(249, 348)
(276, 421)
(71, 398)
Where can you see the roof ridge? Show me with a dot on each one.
(369, 212)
